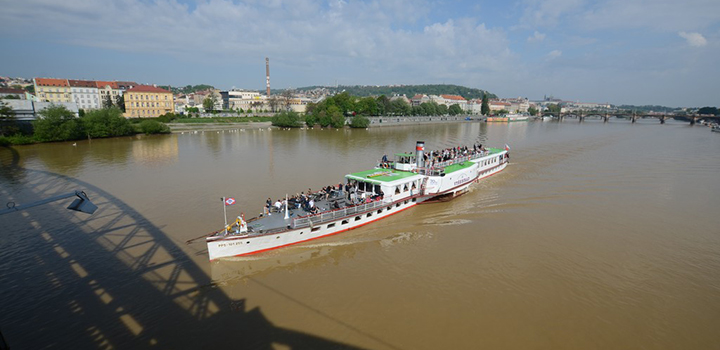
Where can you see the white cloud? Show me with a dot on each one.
(554, 54)
(694, 39)
(536, 37)
(354, 41)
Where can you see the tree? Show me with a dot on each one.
(107, 101)
(455, 109)
(7, 120)
(57, 123)
(533, 111)
(210, 101)
(485, 107)
(286, 98)
(287, 119)
(120, 102)
(442, 109)
(106, 122)
(708, 110)
(30, 89)
(359, 121)
(273, 102)
(554, 108)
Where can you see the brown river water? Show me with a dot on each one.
(596, 236)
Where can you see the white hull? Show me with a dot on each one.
(450, 185)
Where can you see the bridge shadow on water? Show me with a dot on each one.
(112, 279)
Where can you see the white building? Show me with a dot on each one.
(243, 99)
(85, 94)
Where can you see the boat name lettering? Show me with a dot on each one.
(462, 180)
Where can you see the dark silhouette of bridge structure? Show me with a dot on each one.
(633, 117)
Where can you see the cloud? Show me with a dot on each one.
(554, 54)
(355, 41)
(694, 39)
(536, 37)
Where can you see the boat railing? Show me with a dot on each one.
(335, 214)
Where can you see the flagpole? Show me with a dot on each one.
(286, 207)
(225, 212)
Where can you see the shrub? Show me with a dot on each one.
(287, 120)
(106, 122)
(17, 139)
(167, 117)
(359, 121)
(57, 123)
(310, 120)
(153, 127)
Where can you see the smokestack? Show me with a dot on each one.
(267, 74)
(419, 154)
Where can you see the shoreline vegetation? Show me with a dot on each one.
(57, 123)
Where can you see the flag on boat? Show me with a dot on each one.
(229, 201)
(507, 148)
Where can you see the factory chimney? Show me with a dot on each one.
(267, 74)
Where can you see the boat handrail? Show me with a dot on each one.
(336, 213)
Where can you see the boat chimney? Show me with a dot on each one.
(419, 154)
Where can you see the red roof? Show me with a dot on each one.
(126, 84)
(12, 91)
(148, 88)
(417, 97)
(82, 83)
(453, 97)
(51, 82)
(103, 84)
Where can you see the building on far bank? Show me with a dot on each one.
(52, 90)
(18, 94)
(85, 94)
(145, 101)
(107, 88)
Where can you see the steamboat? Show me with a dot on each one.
(367, 196)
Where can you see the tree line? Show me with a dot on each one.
(57, 123)
(409, 90)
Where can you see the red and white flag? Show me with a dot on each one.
(229, 201)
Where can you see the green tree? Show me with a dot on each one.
(310, 120)
(153, 127)
(399, 107)
(455, 109)
(209, 102)
(7, 120)
(442, 110)
(287, 119)
(708, 110)
(57, 123)
(359, 121)
(533, 111)
(30, 89)
(120, 102)
(554, 108)
(485, 107)
(106, 122)
(107, 101)
(367, 106)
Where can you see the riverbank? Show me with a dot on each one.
(187, 127)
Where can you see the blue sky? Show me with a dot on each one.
(618, 51)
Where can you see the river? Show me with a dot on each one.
(596, 236)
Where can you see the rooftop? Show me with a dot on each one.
(51, 82)
(381, 175)
(148, 88)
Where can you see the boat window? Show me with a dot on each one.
(368, 215)
(397, 205)
(248, 242)
(379, 211)
(314, 229)
(413, 185)
(414, 199)
(405, 188)
(397, 190)
(388, 208)
(344, 222)
(357, 218)
(331, 225)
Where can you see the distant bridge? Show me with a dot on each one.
(633, 117)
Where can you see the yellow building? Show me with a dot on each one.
(52, 90)
(144, 101)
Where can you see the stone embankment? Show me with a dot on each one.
(412, 120)
(185, 127)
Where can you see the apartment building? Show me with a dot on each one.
(85, 94)
(52, 90)
(145, 101)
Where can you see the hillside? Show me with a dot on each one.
(407, 90)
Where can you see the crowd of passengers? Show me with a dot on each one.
(438, 156)
(307, 201)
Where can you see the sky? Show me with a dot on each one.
(659, 52)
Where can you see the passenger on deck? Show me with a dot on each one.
(278, 205)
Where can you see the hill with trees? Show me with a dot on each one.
(407, 90)
(187, 89)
